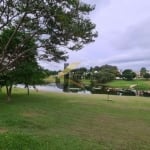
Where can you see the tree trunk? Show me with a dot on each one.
(28, 90)
(0, 88)
(8, 91)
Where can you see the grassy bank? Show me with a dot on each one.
(141, 84)
(52, 121)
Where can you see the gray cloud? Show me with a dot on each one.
(137, 36)
(130, 59)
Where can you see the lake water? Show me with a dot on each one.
(59, 88)
(51, 88)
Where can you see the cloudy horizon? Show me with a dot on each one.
(123, 41)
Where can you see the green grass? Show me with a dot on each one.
(59, 121)
(141, 84)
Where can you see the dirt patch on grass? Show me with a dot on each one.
(3, 130)
(31, 114)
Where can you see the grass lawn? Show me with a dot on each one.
(59, 121)
(141, 84)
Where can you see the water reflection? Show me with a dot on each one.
(53, 87)
(49, 87)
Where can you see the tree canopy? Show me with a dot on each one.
(146, 75)
(128, 74)
(13, 52)
(25, 71)
(143, 71)
(104, 73)
(56, 26)
(104, 76)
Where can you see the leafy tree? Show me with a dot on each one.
(78, 74)
(107, 68)
(128, 74)
(146, 75)
(13, 51)
(27, 73)
(25, 70)
(110, 69)
(6, 81)
(104, 76)
(96, 68)
(50, 72)
(105, 73)
(143, 71)
(57, 26)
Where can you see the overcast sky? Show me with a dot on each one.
(124, 36)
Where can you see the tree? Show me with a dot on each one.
(6, 81)
(146, 75)
(29, 73)
(25, 71)
(51, 72)
(110, 69)
(142, 71)
(104, 76)
(13, 51)
(105, 73)
(78, 74)
(57, 26)
(128, 74)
